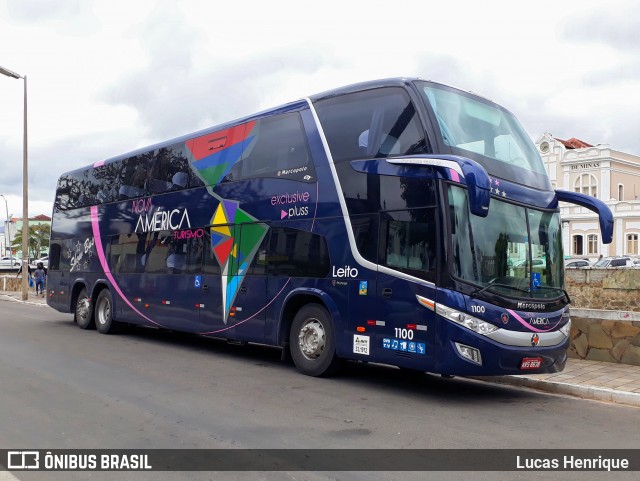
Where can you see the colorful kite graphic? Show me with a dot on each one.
(235, 235)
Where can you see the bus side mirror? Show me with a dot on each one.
(456, 168)
(604, 213)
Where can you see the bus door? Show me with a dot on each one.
(211, 282)
(248, 311)
(407, 245)
(58, 276)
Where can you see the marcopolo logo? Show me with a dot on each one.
(534, 306)
(296, 170)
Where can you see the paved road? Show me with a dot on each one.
(62, 387)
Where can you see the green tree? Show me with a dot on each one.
(39, 235)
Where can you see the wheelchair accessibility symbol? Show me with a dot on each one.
(197, 282)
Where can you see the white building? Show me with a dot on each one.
(604, 173)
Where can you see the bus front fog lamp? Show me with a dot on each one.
(470, 322)
(471, 354)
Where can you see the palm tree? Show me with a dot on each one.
(39, 235)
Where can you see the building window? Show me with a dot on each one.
(592, 244)
(577, 245)
(586, 184)
(632, 243)
(620, 192)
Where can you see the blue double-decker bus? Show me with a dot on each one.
(397, 221)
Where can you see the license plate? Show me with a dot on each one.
(531, 363)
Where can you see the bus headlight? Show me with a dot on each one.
(472, 323)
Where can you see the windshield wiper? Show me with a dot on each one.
(498, 284)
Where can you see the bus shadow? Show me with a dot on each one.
(379, 377)
(352, 375)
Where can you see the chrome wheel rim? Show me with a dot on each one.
(82, 310)
(312, 339)
(104, 311)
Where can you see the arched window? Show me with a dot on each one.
(586, 184)
(577, 245)
(620, 192)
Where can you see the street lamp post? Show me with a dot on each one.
(25, 190)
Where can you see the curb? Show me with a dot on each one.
(584, 392)
(7, 297)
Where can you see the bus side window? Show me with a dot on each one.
(249, 236)
(274, 144)
(365, 230)
(372, 123)
(210, 264)
(169, 170)
(408, 242)
(290, 251)
(55, 251)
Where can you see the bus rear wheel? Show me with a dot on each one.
(104, 313)
(83, 312)
(312, 341)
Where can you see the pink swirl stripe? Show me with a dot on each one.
(105, 267)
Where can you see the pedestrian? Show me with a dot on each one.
(41, 276)
(28, 271)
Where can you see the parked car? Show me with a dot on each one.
(575, 263)
(536, 262)
(8, 262)
(614, 262)
(44, 260)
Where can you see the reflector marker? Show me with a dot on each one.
(380, 323)
(137, 299)
(428, 303)
(420, 327)
(199, 306)
(166, 303)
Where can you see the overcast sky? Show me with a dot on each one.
(107, 77)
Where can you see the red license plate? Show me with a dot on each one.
(531, 363)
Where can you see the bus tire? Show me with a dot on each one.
(312, 341)
(104, 313)
(83, 311)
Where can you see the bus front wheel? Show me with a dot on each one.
(83, 312)
(312, 341)
(104, 313)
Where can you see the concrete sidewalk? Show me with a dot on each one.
(600, 381)
(13, 296)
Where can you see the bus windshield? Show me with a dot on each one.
(515, 251)
(474, 127)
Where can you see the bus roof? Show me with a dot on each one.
(288, 107)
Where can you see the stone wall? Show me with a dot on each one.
(605, 314)
(10, 283)
(609, 289)
(610, 340)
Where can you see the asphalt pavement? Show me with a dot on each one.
(599, 381)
